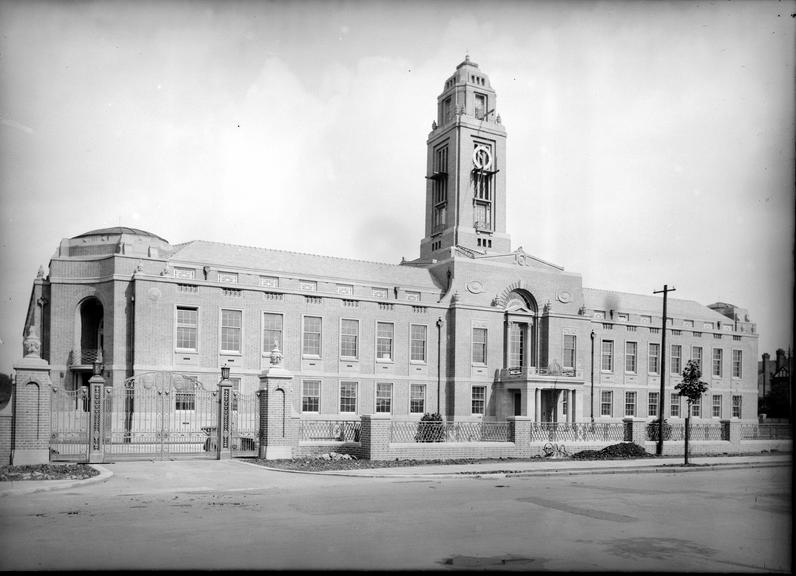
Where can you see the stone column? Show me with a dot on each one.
(375, 436)
(32, 394)
(224, 426)
(279, 423)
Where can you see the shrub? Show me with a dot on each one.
(654, 426)
(431, 428)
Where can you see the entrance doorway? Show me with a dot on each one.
(517, 399)
(549, 405)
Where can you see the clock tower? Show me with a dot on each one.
(465, 174)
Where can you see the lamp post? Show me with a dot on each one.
(224, 425)
(224, 372)
(439, 363)
(592, 378)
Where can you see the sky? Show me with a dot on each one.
(649, 143)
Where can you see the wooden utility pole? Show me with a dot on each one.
(661, 404)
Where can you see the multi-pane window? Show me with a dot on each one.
(478, 399)
(630, 403)
(348, 397)
(417, 398)
(569, 350)
(737, 363)
(696, 408)
(718, 354)
(272, 332)
(606, 403)
(235, 392)
(311, 339)
(652, 403)
(417, 343)
(187, 327)
(675, 406)
(479, 345)
(440, 187)
(631, 352)
(480, 106)
(185, 400)
(310, 396)
(654, 358)
(696, 355)
(677, 358)
(231, 322)
(565, 403)
(516, 345)
(736, 406)
(384, 397)
(349, 338)
(384, 339)
(607, 356)
(716, 406)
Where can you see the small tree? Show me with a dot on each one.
(692, 388)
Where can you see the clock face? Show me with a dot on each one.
(482, 158)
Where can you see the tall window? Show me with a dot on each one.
(677, 358)
(417, 343)
(478, 399)
(696, 409)
(717, 358)
(482, 186)
(417, 398)
(569, 350)
(607, 356)
(384, 338)
(348, 397)
(349, 338)
(630, 403)
(737, 363)
(675, 409)
(479, 345)
(310, 396)
(516, 345)
(654, 358)
(439, 185)
(736, 406)
(272, 332)
(311, 339)
(606, 403)
(696, 355)
(480, 106)
(631, 351)
(187, 327)
(652, 404)
(384, 397)
(185, 400)
(231, 321)
(716, 406)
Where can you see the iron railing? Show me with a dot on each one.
(439, 431)
(329, 430)
(698, 431)
(84, 357)
(577, 431)
(766, 431)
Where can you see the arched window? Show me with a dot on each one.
(90, 317)
(521, 331)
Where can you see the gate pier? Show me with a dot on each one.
(279, 423)
(32, 395)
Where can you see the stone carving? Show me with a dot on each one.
(31, 346)
(276, 355)
(520, 257)
(582, 311)
(139, 267)
(564, 296)
(433, 124)
(546, 307)
(554, 368)
(40, 273)
(475, 287)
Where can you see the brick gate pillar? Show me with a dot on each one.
(279, 423)
(32, 395)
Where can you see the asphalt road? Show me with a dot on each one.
(226, 515)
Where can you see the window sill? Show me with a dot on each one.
(186, 351)
(385, 361)
(229, 353)
(418, 362)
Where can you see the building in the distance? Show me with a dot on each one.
(775, 385)
(473, 328)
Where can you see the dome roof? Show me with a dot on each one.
(120, 230)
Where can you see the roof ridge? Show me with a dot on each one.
(643, 295)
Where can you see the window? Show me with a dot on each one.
(606, 403)
(482, 215)
(677, 358)
(272, 332)
(737, 363)
(736, 406)
(655, 330)
(439, 185)
(384, 337)
(630, 328)
(383, 397)
(631, 351)
(697, 334)
(516, 345)
(478, 399)
(653, 360)
(311, 396)
(630, 403)
(479, 345)
(231, 321)
(717, 336)
(565, 403)
(417, 399)
(480, 106)
(652, 404)
(417, 343)
(696, 355)
(187, 327)
(348, 397)
(607, 356)
(185, 400)
(716, 406)
(677, 333)
(717, 358)
(569, 350)
(674, 411)
(696, 408)
(349, 338)
(235, 392)
(311, 339)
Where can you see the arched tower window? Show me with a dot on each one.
(521, 331)
(91, 318)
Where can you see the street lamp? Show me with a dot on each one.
(225, 372)
(592, 377)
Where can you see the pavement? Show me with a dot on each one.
(235, 470)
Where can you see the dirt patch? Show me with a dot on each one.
(613, 452)
(320, 464)
(47, 472)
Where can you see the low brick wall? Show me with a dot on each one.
(452, 450)
(5, 439)
(306, 448)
